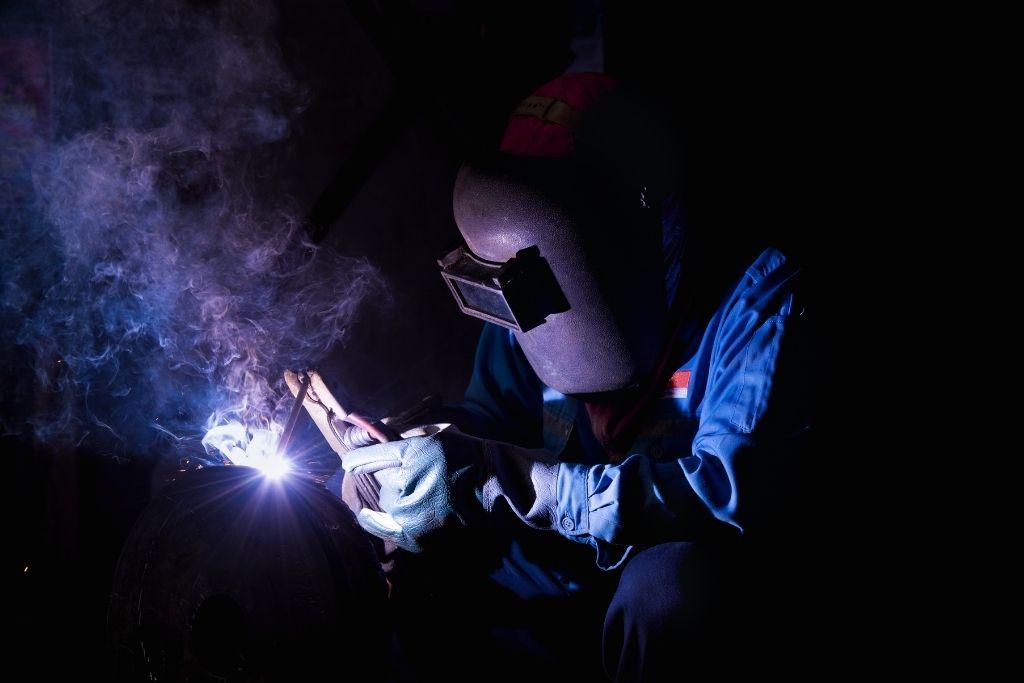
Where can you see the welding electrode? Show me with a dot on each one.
(293, 417)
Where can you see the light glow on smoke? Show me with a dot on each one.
(255, 448)
(159, 278)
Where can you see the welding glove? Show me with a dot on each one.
(448, 479)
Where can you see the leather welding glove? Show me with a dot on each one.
(448, 479)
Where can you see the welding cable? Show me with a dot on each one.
(377, 431)
(350, 436)
(359, 432)
(362, 432)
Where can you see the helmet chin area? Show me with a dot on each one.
(568, 366)
(610, 397)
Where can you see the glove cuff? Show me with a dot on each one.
(526, 479)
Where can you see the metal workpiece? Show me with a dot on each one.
(229, 575)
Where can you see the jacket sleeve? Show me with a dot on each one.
(737, 474)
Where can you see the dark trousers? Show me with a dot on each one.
(512, 603)
(673, 608)
(664, 605)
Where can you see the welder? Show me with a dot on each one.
(627, 450)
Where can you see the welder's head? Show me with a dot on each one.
(572, 236)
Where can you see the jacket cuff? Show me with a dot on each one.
(573, 516)
(573, 492)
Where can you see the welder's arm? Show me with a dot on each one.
(740, 473)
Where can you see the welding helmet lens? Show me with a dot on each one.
(518, 294)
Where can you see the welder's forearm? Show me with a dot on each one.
(637, 502)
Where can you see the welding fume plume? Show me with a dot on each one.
(343, 429)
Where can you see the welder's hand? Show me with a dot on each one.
(446, 479)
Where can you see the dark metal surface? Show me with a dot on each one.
(230, 576)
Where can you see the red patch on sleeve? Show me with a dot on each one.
(679, 380)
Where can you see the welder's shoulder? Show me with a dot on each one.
(771, 286)
(771, 268)
(759, 356)
(767, 293)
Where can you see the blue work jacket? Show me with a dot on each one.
(712, 457)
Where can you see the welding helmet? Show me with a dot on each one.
(565, 242)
